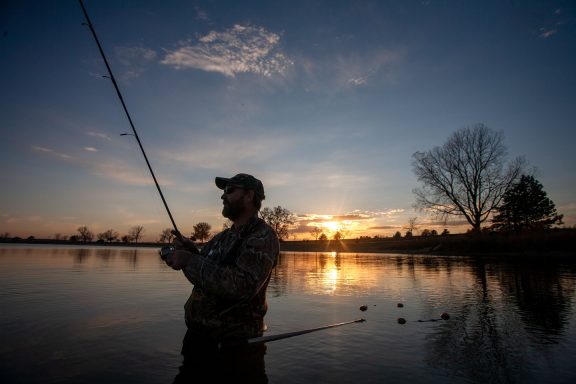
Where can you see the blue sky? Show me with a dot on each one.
(325, 101)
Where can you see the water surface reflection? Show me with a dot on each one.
(510, 321)
(107, 314)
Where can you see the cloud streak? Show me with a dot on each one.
(99, 135)
(240, 49)
(334, 73)
(201, 153)
(52, 152)
(350, 220)
(123, 174)
(546, 33)
(134, 60)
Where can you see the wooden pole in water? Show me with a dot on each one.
(265, 339)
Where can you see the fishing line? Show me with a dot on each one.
(135, 134)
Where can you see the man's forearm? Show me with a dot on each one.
(230, 282)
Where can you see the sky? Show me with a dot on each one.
(324, 101)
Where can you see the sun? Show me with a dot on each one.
(331, 225)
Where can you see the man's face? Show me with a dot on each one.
(234, 201)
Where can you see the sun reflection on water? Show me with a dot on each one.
(326, 273)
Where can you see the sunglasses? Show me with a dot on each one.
(231, 188)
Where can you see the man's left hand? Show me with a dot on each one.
(179, 259)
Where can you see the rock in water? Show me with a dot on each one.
(401, 320)
(364, 308)
(444, 316)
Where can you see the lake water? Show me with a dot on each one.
(115, 315)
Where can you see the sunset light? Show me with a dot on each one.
(332, 226)
(288, 191)
(327, 112)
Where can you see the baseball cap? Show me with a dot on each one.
(242, 180)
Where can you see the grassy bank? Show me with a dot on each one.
(561, 242)
(553, 242)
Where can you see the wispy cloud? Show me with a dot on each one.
(201, 14)
(351, 224)
(51, 152)
(553, 25)
(356, 216)
(201, 153)
(33, 219)
(326, 174)
(240, 49)
(372, 214)
(123, 173)
(134, 60)
(345, 71)
(90, 149)
(546, 33)
(357, 72)
(99, 135)
(128, 55)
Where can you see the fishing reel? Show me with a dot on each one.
(166, 252)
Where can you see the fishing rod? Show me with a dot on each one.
(135, 134)
(265, 339)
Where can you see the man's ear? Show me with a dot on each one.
(248, 197)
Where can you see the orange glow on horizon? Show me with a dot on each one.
(329, 225)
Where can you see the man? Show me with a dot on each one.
(231, 272)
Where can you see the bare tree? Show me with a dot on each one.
(279, 219)
(166, 236)
(202, 231)
(315, 232)
(412, 224)
(135, 233)
(109, 235)
(467, 176)
(85, 234)
(343, 232)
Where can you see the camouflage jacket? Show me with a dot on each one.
(230, 276)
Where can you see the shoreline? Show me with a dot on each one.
(555, 242)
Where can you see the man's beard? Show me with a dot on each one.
(233, 210)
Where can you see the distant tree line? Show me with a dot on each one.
(279, 218)
(468, 176)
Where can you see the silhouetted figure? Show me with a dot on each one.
(205, 361)
(230, 275)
